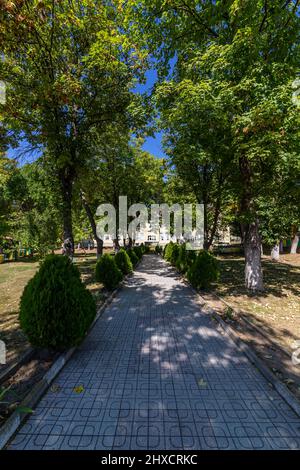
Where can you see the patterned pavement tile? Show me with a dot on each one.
(157, 374)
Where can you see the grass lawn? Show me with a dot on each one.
(277, 310)
(14, 276)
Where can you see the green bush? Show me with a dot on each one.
(133, 257)
(203, 271)
(181, 263)
(191, 256)
(185, 258)
(123, 262)
(172, 252)
(168, 251)
(107, 272)
(56, 309)
(158, 249)
(164, 250)
(138, 251)
(147, 249)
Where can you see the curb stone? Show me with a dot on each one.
(253, 325)
(16, 364)
(11, 425)
(261, 332)
(281, 389)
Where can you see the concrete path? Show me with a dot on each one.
(156, 374)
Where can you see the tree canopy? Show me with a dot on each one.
(226, 100)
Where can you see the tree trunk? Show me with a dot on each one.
(215, 223)
(93, 225)
(250, 230)
(116, 245)
(66, 180)
(252, 247)
(275, 252)
(128, 245)
(294, 246)
(205, 227)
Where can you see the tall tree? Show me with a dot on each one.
(30, 206)
(197, 142)
(119, 168)
(68, 71)
(8, 171)
(247, 52)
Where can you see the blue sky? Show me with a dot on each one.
(152, 144)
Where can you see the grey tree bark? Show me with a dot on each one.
(252, 248)
(275, 252)
(294, 246)
(89, 213)
(66, 177)
(250, 230)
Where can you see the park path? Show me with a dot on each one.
(156, 374)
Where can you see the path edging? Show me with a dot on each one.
(281, 389)
(11, 425)
(14, 366)
(253, 325)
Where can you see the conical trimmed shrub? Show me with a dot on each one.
(174, 253)
(181, 263)
(171, 252)
(185, 258)
(56, 309)
(123, 262)
(138, 251)
(107, 272)
(203, 271)
(132, 255)
(168, 251)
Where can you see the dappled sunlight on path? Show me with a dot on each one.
(157, 374)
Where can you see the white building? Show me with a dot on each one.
(144, 235)
(148, 235)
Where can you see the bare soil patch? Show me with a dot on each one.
(13, 278)
(274, 314)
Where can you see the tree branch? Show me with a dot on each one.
(264, 17)
(196, 17)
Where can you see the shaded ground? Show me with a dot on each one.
(155, 373)
(13, 278)
(277, 310)
(275, 314)
(22, 382)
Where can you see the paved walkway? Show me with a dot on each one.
(156, 374)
